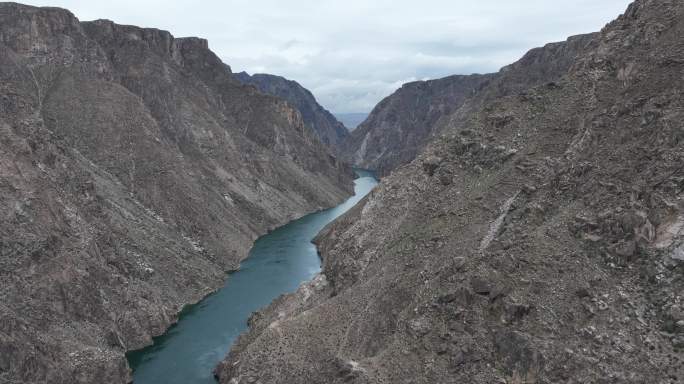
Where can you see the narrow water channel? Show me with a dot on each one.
(278, 263)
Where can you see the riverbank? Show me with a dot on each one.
(278, 263)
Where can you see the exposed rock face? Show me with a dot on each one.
(404, 122)
(134, 172)
(400, 125)
(538, 240)
(324, 124)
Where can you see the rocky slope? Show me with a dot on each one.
(402, 124)
(324, 124)
(539, 239)
(134, 173)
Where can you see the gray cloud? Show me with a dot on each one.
(353, 53)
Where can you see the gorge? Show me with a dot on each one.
(278, 263)
(534, 237)
(135, 172)
(528, 225)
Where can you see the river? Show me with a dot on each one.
(278, 263)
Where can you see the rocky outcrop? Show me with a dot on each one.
(323, 123)
(134, 172)
(537, 240)
(404, 122)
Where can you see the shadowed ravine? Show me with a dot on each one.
(278, 263)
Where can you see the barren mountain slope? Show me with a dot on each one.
(134, 172)
(404, 122)
(401, 124)
(539, 240)
(330, 131)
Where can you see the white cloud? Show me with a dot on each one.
(352, 53)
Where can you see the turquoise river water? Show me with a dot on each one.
(278, 263)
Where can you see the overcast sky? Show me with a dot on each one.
(352, 53)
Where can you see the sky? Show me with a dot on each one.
(353, 53)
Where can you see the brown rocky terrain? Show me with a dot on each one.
(330, 131)
(135, 171)
(538, 238)
(402, 124)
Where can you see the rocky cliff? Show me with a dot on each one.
(134, 173)
(537, 239)
(324, 124)
(402, 124)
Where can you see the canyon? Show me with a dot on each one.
(528, 226)
(135, 172)
(535, 237)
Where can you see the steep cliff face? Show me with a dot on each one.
(134, 172)
(537, 240)
(324, 124)
(400, 125)
(404, 122)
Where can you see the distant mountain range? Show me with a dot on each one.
(351, 120)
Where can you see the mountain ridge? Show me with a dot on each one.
(404, 122)
(135, 173)
(330, 131)
(536, 239)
